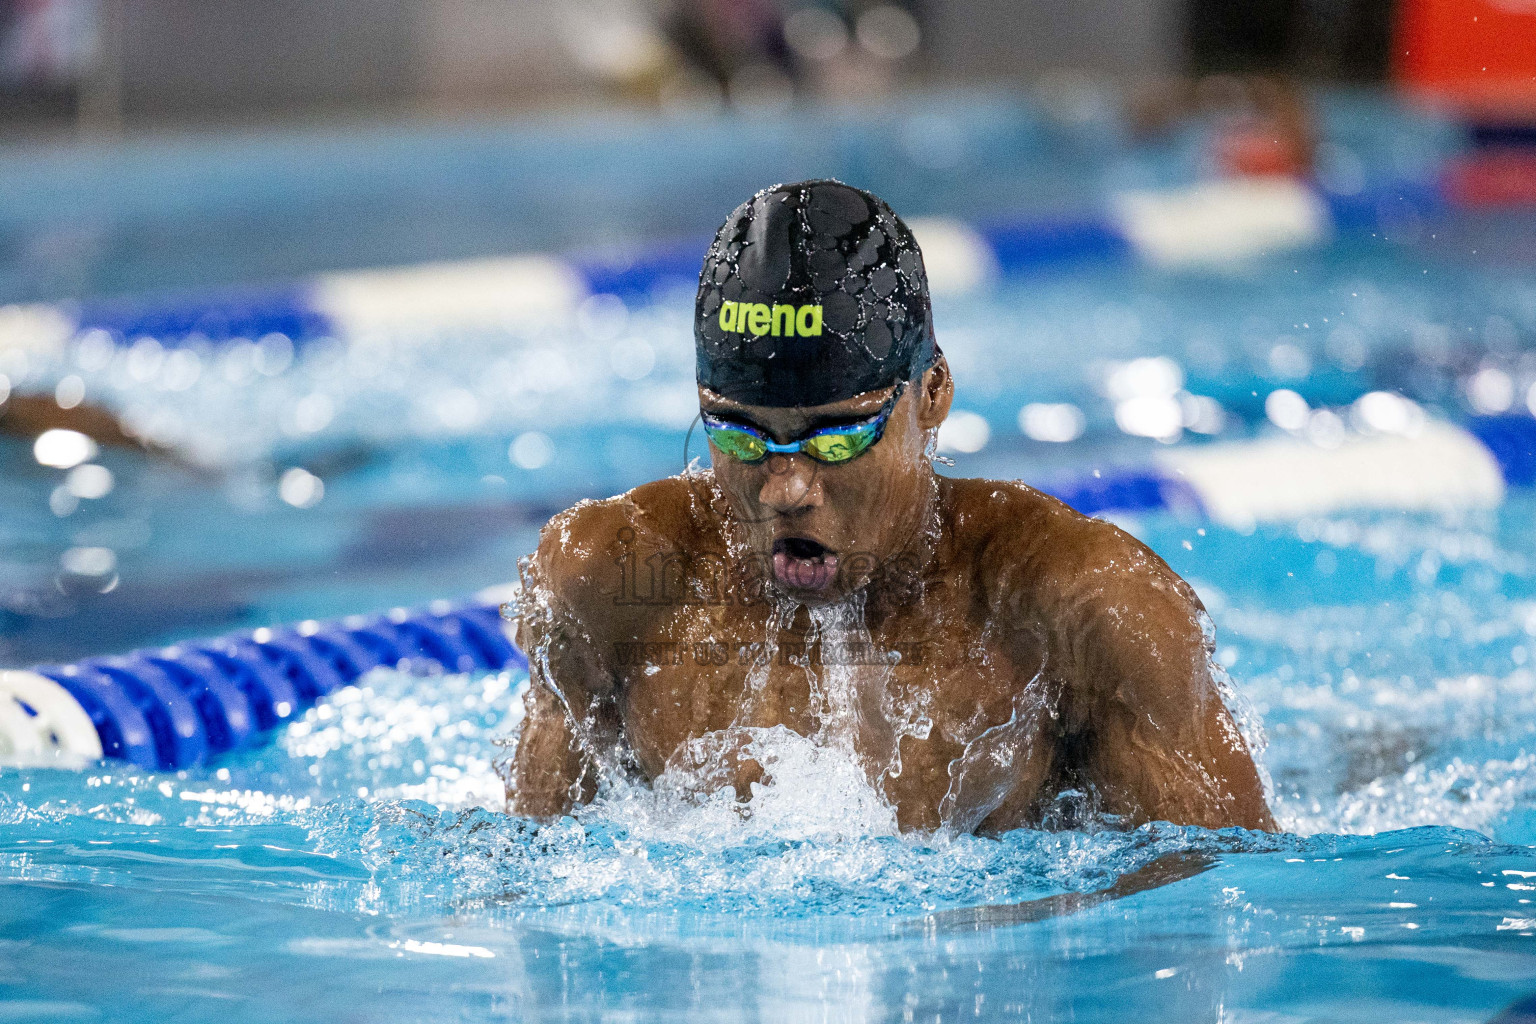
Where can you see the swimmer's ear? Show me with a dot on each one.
(934, 394)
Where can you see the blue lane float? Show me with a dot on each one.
(216, 316)
(1512, 442)
(178, 707)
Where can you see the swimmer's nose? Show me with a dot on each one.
(789, 485)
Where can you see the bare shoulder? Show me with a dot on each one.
(581, 549)
(1032, 551)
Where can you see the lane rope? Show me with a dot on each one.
(178, 707)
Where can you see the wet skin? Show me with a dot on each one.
(1047, 651)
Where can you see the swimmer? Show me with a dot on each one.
(992, 658)
(28, 416)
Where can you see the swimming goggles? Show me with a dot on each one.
(841, 443)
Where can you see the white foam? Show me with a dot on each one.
(810, 790)
(1475, 795)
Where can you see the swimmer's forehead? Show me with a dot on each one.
(865, 404)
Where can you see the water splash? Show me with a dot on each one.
(981, 777)
(1241, 711)
(827, 785)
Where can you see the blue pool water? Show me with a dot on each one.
(360, 869)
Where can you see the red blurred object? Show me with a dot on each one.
(1476, 55)
(1502, 178)
(1263, 150)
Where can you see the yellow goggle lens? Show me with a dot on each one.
(738, 444)
(838, 447)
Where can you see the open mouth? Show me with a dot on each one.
(803, 564)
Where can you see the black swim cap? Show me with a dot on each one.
(811, 293)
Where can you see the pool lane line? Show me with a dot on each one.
(178, 707)
(1210, 222)
(1240, 483)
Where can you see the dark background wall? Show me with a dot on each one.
(127, 63)
(184, 57)
(1024, 39)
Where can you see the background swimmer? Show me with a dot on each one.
(988, 656)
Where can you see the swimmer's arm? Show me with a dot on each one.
(1158, 741)
(549, 773)
(569, 708)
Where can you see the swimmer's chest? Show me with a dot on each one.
(701, 669)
